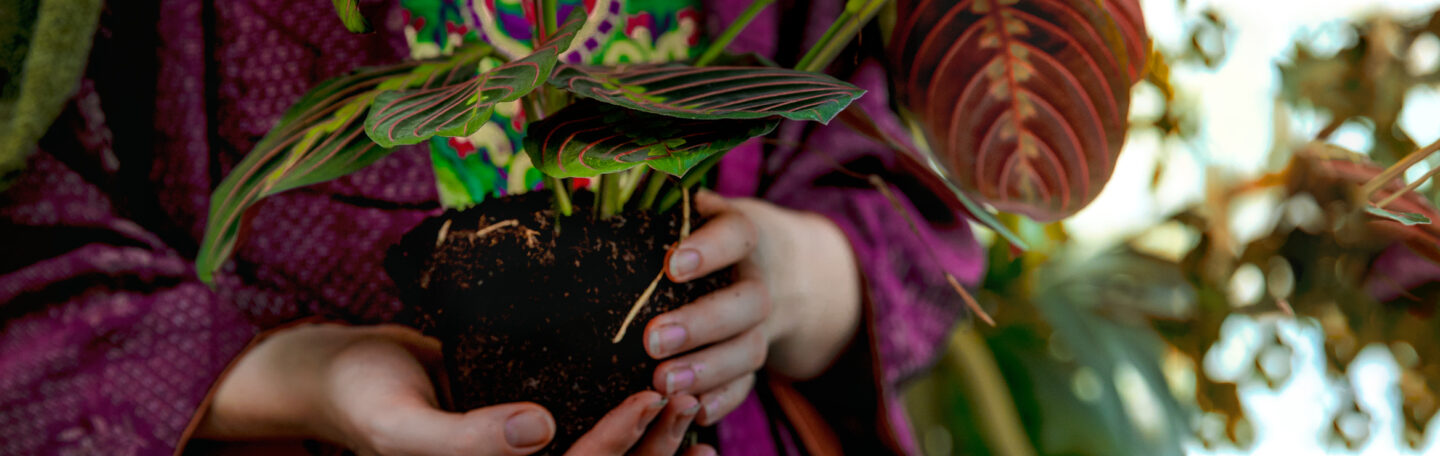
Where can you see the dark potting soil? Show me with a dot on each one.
(524, 314)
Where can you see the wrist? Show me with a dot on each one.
(823, 296)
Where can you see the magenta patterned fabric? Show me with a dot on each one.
(109, 344)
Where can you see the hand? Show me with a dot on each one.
(794, 305)
(367, 388)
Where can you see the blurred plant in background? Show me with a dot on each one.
(1106, 354)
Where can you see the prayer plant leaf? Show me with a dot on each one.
(320, 138)
(349, 12)
(459, 109)
(1023, 102)
(715, 92)
(590, 138)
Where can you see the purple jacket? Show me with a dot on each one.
(110, 344)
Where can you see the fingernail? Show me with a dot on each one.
(683, 262)
(679, 379)
(651, 411)
(666, 339)
(683, 421)
(527, 429)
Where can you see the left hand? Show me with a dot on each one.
(793, 308)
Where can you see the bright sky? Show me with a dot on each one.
(1236, 124)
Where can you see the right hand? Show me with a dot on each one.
(368, 388)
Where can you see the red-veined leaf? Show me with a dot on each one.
(411, 116)
(721, 92)
(349, 12)
(589, 138)
(1024, 102)
(320, 138)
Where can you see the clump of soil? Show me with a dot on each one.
(525, 314)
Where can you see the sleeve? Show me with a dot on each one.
(910, 308)
(109, 344)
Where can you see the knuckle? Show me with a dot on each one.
(761, 295)
(756, 351)
(469, 441)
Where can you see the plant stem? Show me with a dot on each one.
(656, 181)
(984, 386)
(691, 178)
(562, 196)
(609, 195)
(731, 32)
(857, 13)
(1396, 170)
(545, 10)
(630, 182)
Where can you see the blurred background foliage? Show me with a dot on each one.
(1145, 346)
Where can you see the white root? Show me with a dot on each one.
(635, 309)
(492, 228)
(444, 230)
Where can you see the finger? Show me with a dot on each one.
(717, 403)
(713, 366)
(620, 429)
(668, 431)
(712, 318)
(500, 430)
(384, 395)
(700, 450)
(720, 242)
(709, 203)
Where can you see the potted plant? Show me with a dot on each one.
(534, 297)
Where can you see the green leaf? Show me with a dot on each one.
(1407, 218)
(349, 12)
(723, 92)
(590, 138)
(459, 109)
(320, 138)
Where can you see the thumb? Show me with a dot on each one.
(500, 430)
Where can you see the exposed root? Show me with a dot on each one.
(492, 228)
(685, 213)
(444, 231)
(635, 309)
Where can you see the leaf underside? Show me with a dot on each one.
(589, 138)
(459, 109)
(718, 92)
(349, 12)
(1024, 102)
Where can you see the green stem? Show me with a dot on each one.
(630, 183)
(731, 32)
(609, 195)
(562, 196)
(656, 181)
(857, 13)
(546, 10)
(689, 181)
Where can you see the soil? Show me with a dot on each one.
(525, 314)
